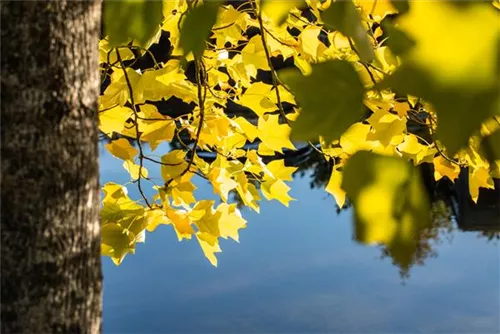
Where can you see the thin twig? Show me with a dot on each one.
(268, 57)
(437, 146)
(134, 108)
(202, 92)
(160, 162)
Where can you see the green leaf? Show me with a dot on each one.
(397, 41)
(458, 71)
(331, 98)
(491, 148)
(401, 5)
(197, 26)
(343, 16)
(132, 19)
(391, 205)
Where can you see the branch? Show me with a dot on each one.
(134, 108)
(202, 92)
(268, 57)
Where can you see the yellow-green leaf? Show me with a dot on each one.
(337, 101)
(196, 27)
(390, 203)
(342, 16)
(132, 19)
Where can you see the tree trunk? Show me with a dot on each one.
(50, 242)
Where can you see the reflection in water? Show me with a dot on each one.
(427, 239)
(451, 206)
(297, 270)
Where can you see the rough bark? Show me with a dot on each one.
(50, 243)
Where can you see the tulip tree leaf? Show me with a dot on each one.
(342, 16)
(277, 11)
(132, 19)
(337, 101)
(458, 71)
(197, 26)
(401, 5)
(390, 203)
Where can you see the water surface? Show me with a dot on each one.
(297, 270)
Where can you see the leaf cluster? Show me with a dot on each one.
(376, 87)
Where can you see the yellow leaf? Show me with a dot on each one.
(309, 44)
(280, 171)
(334, 187)
(182, 193)
(154, 218)
(117, 93)
(247, 191)
(378, 9)
(387, 128)
(249, 130)
(276, 189)
(277, 11)
(229, 26)
(209, 247)
(282, 43)
(156, 130)
(114, 119)
(401, 108)
(410, 147)
(255, 165)
(274, 135)
(173, 164)
(355, 138)
(258, 98)
(230, 221)
(479, 178)
(133, 170)
(105, 49)
(116, 243)
(122, 149)
(254, 56)
(239, 71)
(443, 167)
(181, 223)
(263, 150)
(222, 182)
(157, 84)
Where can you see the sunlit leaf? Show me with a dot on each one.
(377, 9)
(443, 167)
(277, 11)
(342, 16)
(116, 243)
(209, 247)
(133, 169)
(121, 148)
(334, 187)
(463, 89)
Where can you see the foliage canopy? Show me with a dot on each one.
(377, 87)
